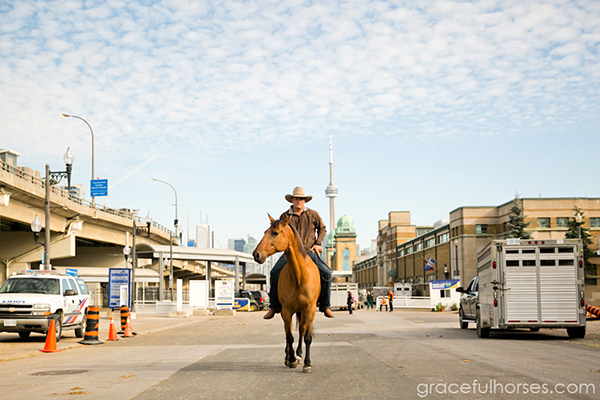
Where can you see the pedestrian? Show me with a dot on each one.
(311, 229)
(383, 303)
(391, 300)
(369, 300)
(349, 301)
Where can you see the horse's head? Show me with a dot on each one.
(276, 239)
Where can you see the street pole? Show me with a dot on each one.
(176, 223)
(47, 265)
(92, 132)
(456, 258)
(133, 267)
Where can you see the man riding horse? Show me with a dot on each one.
(311, 229)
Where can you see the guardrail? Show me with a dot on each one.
(34, 177)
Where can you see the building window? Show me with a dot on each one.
(409, 250)
(543, 222)
(481, 228)
(562, 222)
(401, 253)
(346, 259)
(430, 242)
(594, 222)
(444, 238)
(419, 246)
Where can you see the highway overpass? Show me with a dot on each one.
(91, 238)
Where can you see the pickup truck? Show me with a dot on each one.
(31, 299)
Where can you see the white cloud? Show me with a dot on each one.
(204, 78)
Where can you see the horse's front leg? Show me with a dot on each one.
(290, 357)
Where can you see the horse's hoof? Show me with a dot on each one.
(291, 364)
(307, 370)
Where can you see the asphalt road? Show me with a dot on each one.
(368, 355)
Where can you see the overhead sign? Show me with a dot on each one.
(119, 284)
(99, 187)
(71, 272)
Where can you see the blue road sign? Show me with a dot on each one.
(119, 287)
(71, 272)
(99, 187)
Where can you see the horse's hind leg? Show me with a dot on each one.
(310, 315)
(301, 328)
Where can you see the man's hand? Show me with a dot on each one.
(317, 249)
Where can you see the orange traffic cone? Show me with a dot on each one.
(112, 331)
(50, 346)
(127, 332)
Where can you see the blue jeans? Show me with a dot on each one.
(324, 301)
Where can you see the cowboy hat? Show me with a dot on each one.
(298, 192)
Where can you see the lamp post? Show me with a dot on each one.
(92, 132)
(578, 219)
(52, 178)
(456, 273)
(171, 239)
(188, 222)
(137, 230)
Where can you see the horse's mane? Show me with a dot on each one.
(275, 225)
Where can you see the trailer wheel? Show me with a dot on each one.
(576, 332)
(481, 331)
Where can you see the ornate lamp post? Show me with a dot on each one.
(457, 273)
(52, 178)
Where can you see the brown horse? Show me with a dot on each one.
(298, 288)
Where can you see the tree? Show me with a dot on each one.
(516, 221)
(577, 231)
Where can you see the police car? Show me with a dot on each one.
(31, 299)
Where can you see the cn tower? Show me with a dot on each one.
(332, 190)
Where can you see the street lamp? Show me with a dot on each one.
(92, 132)
(171, 239)
(52, 178)
(137, 230)
(456, 273)
(174, 191)
(578, 219)
(188, 221)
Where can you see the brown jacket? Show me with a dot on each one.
(307, 224)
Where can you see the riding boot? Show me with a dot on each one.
(328, 313)
(270, 314)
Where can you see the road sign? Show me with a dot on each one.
(99, 187)
(119, 279)
(71, 272)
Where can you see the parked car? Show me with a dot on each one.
(30, 300)
(256, 299)
(266, 299)
(467, 312)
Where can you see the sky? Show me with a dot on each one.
(432, 105)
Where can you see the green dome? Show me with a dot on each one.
(345, 225)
